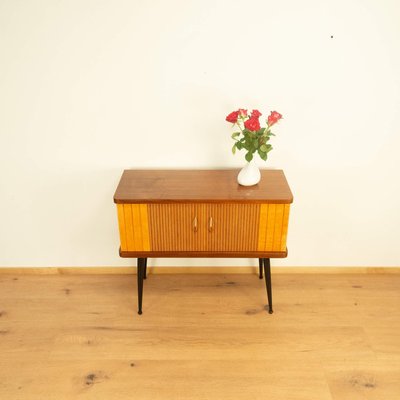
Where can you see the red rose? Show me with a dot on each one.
(273, 118)
(255, 114)
(232, 117)
(242, 112)
(252, 124)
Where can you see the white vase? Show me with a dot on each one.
(249, 175)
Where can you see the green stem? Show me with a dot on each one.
(241, 130)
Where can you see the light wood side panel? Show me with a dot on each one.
(285, 224)
(262, 231)
(270, 227)
(279, 211)
(133, 227)
(137, 226)
(273, 227)
(121, 226)
(129, 226)
(145, 226)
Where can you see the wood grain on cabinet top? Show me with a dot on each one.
(197, 186)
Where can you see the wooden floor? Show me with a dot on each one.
(200, 337)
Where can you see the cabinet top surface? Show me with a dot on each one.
(196, 186)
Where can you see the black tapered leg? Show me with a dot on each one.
(267, 273)
(140, 276)
(260, 268)
(145, 268)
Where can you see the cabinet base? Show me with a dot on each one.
(202, 254)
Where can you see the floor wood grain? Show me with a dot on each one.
(200, 337)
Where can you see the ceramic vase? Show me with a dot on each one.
(249, 175)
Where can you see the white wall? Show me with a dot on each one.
(88, 88)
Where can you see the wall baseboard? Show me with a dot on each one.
(193, 270)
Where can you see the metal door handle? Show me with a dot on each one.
(195, 224)
(210, 224)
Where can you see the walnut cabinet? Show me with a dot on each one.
(202, 213)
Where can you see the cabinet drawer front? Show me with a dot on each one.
(204, 227)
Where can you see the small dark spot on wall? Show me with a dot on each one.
(331, 36)
(2, 313)
(19, 387)
(4, 332)
(356, 304)
(252, 311)
(67, 291)
(231, 283)
(15, 279)
(132, 364)
(357, 286)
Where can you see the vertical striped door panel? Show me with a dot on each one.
(220, 227)
(234, 227)
(177, 227)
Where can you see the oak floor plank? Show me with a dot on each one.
(200, 337)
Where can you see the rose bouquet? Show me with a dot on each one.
(251, 136)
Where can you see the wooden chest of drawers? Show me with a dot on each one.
(202, 213)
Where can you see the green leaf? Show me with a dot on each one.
(249, 156)
(235, 134)
(263, 148)
(239, 145)
(234, 148)
(263, 155)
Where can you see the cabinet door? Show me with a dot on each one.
(177, 227)
(204, 227)
(232, 227)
